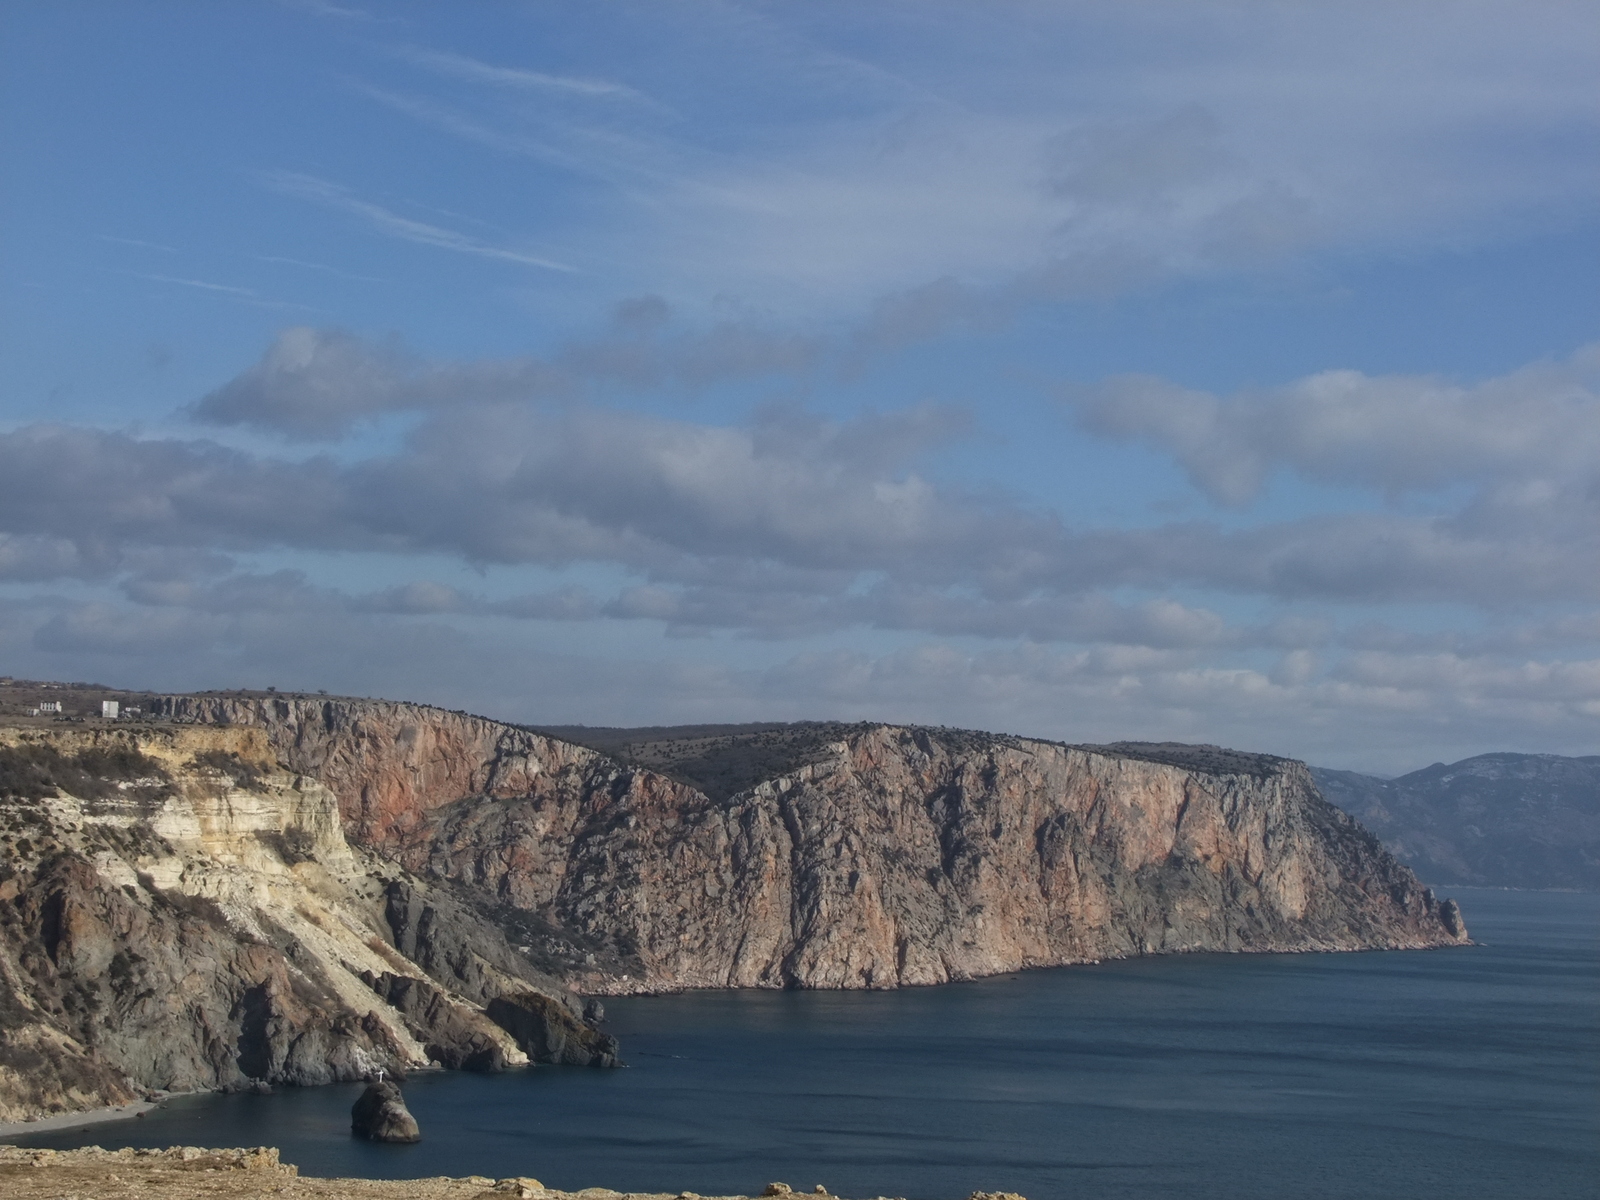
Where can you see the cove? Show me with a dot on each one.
(1464, 1072)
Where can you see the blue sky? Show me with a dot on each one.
(1220, 372)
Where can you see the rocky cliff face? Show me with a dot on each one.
(177, 912)
(898, 856)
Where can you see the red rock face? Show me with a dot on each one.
(391, 764)
(902, 857)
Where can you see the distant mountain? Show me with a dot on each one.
(1499, 820)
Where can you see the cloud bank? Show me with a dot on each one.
(1483, 500)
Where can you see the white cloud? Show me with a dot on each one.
(392, 224)
(829, 157)
(461, 66)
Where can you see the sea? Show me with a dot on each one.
(1470, 1073)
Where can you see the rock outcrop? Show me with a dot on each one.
(898, 856)
(543, 1028)
(177, 913)
(380, 1115)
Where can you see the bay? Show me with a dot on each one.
(1469, 1072)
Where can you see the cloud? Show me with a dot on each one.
(506, 462)
(808, 537)
(830, 162)
(323, 8)
(316, 385)
(1394, 433)
(311, 384)
(138, 242)
(1384, 711)
(461, 66)
(392, 224)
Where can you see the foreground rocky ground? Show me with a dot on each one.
(190, 1173)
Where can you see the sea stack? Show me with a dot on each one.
(380, 1115)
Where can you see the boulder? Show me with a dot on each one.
(380, 1115)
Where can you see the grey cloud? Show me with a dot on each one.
(1378, 710)
(427, 598)
(317, 384)
(314, 385)
(682, 502)
(99, 488)
(1139, 161)
(30, 559)
(1395, 433)
(792, 525)
(310, 384)
(1357, 557)
(101, 629)
(773, 605)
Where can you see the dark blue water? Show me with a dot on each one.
(1471, 1072)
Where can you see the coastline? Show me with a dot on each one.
(89, 1116)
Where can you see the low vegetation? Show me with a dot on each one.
(38, 772)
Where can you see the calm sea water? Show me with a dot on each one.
(1463, 1073)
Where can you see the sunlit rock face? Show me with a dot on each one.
(897, 856)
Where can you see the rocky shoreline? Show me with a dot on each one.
(193, 1173)
(76, 1120)
(256, 891)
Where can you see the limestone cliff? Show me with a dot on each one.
(177, 912)
(898, 856)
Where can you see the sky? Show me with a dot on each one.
(1210, 372)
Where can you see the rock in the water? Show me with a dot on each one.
(381, 1115)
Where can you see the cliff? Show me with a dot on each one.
(1496, 820)
(180, 913)
(897, 856)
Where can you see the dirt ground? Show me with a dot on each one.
(190, 1173)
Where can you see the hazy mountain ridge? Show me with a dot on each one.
(1497, 820)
